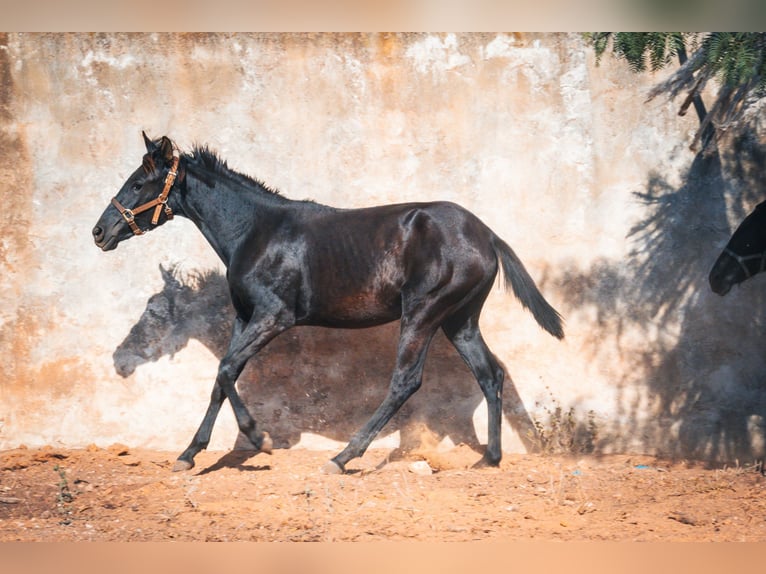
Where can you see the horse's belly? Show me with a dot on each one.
(356, 310)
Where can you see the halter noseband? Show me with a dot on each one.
(742, 259)
(160, 202)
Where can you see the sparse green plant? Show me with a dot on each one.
(64, 497)
(562, 432)
(750, 467)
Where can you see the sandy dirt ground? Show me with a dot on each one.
(124, 494)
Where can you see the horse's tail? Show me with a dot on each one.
(523, 286)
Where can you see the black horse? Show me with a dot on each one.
(290, 263)
(744, 254)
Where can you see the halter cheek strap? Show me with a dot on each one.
(159, 203)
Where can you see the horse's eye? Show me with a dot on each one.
(137, 185)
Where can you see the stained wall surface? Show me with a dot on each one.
(595, 188)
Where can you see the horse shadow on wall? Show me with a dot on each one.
(313, 379)
(701, 359)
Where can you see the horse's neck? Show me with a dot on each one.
(215, 339)
(224, 213)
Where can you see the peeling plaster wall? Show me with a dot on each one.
(550, 150)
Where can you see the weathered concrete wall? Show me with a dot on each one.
(595, 189)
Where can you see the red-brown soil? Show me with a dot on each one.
(125, 494)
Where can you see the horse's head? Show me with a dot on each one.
(744, 255)
(143, 201)
(159, 331)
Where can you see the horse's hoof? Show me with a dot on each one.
(266, 443)
(487, 462)
(332, 467)
(182, 465)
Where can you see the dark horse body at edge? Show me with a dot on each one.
(289, 263)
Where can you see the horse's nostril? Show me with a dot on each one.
(97, 232)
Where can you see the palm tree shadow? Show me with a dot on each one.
(699, 370)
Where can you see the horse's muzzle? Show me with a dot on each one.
(102, 241)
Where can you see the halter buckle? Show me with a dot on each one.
(128, 215)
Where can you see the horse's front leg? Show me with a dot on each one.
(202, 436)
(246, 341)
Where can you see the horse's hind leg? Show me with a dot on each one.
(406, 379)
(467, 339)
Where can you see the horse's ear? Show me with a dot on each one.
(150, 145)
(163, 151)
(168, 276)
(166, 149)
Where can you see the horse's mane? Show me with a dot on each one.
(205, 158)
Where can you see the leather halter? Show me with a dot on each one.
(743, 259)
(160, 202)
